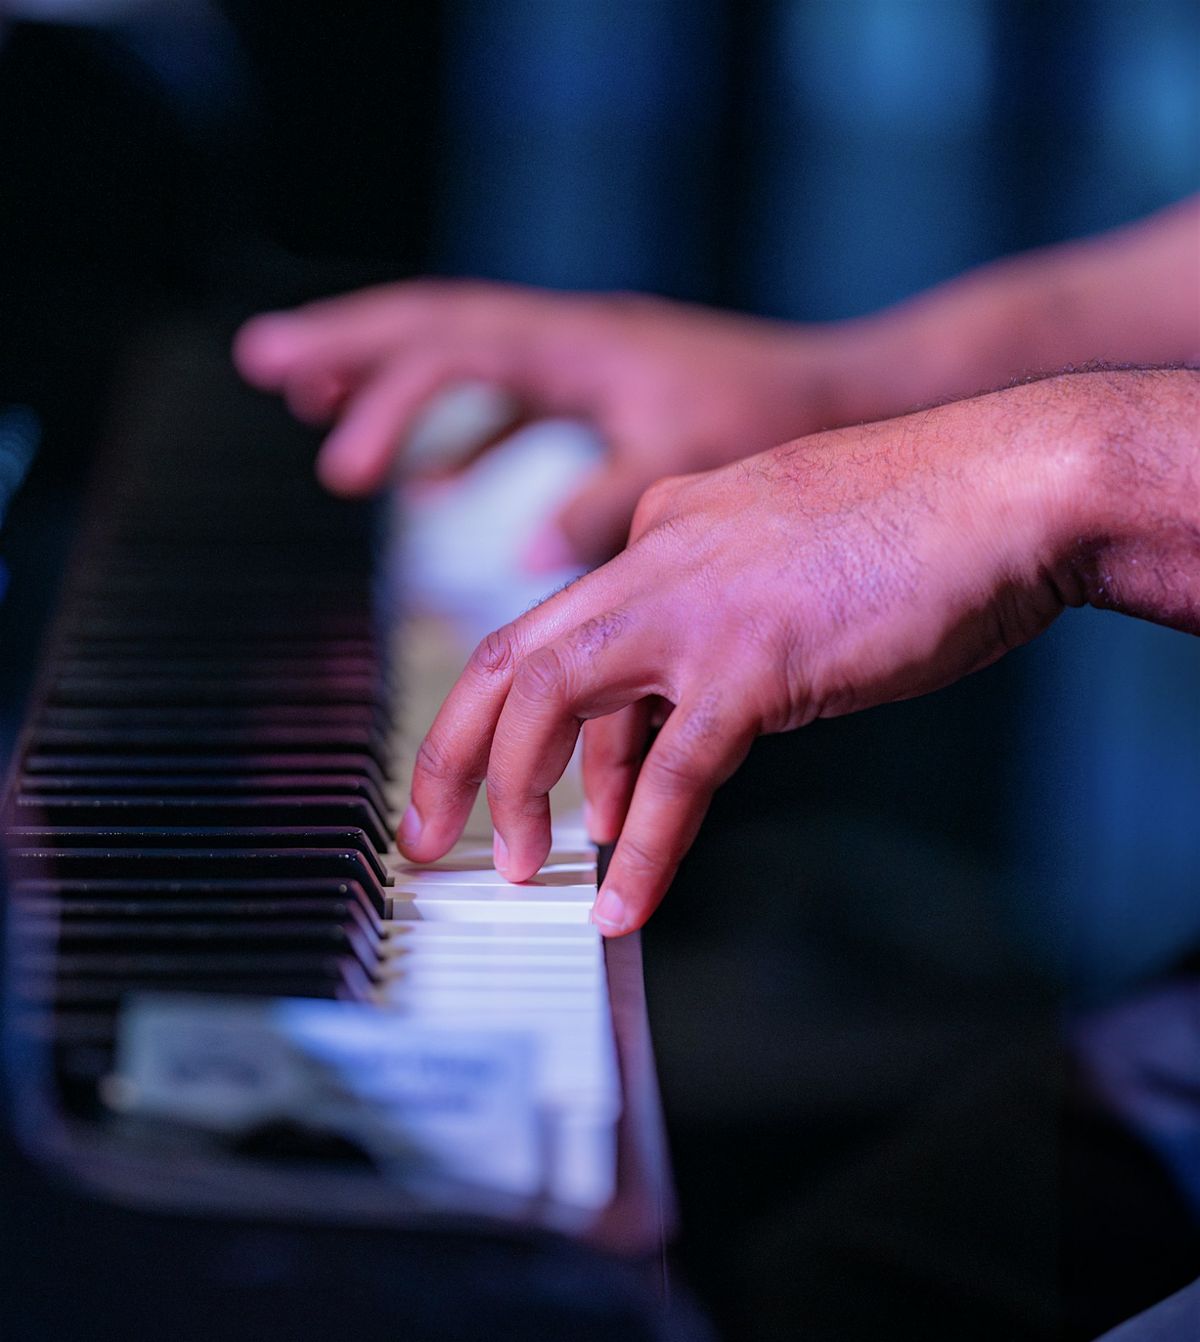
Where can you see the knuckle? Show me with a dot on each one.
(674, 771)
(597, 632)
(435, 761)
(499, 790)
(638, 861)
(656, 496)
(495, 654)
(540, 676)
(656, 505)
(702, 722)
(513, 796)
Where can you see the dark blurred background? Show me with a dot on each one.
(859, 986)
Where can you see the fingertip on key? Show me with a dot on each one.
(500, 854)
(409, 833)
(609, 913)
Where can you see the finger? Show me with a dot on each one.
(353, 329)
(519, 789)
(594, 524)
(601, 665)
(314, 396)
(358, 454)
(258, 354)
(613, 750)
(695, 752)
(452, 760)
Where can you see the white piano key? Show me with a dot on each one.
(509, 903)
(574, 998)
(553, 874)
(576, 1054)
(465, 949)
(497, 977)
(442, 961)
(545, 954)
(407, 928)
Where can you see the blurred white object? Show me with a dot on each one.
(458, 422)
(461, 540)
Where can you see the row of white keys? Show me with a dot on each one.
(464, 948)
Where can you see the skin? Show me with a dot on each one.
(675, 388)
(671, 388)
(865, 566)
(843, 569)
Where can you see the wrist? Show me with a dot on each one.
(1128, 520)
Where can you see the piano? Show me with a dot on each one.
(260, 1076)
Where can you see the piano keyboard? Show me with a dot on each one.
(203, 804)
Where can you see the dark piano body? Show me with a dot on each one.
(198, 803)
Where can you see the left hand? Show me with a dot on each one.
(840, 571)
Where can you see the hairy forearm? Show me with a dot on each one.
(1129, 297)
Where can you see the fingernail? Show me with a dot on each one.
(608, 912)
(548, 551)
(500, 853)
(410, 827)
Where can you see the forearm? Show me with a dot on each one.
(1131, 296)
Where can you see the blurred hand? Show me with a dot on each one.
(830, 574)
(671, 388)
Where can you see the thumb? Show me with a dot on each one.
(593, 525)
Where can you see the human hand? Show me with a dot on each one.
(671, 388)
(837, 572)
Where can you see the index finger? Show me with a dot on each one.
(350, 331)
(452, 760)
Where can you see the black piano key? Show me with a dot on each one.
(121, 840)
(153, 625)
(331, 719)
(201, 801)
(212, 812)
(214, 766)
(259, 690)
(223, 741)
(206, 785)
(200, 864)
(183, 652)
(232, 901)
(186, 949)
(291, 974)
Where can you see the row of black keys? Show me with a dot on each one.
(201, 804)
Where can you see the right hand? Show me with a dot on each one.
(672, 389)
(818, 578)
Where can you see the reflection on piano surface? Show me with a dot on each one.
(226, 993)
